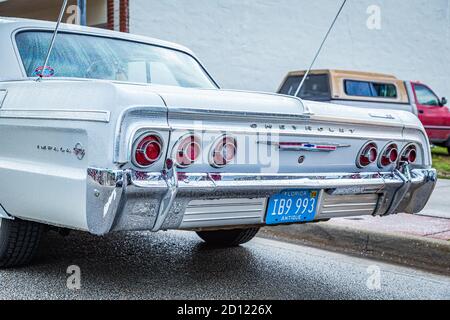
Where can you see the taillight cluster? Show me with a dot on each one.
(147, 150)
(390, 155)
(189, 148)
(149, 147)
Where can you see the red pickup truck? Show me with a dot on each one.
(375, 90)
(433, 113)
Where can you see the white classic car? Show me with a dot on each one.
(120, 132)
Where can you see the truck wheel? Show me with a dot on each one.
(19, 241)
(228, 238)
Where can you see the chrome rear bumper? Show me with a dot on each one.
(129, 200)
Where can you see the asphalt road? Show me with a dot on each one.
(176, 265)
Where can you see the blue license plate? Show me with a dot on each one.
(292, 206)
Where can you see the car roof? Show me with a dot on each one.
(338, 77)
(347, 73)
(10, 67)
(9, 25)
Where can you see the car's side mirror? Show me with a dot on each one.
(444, 102)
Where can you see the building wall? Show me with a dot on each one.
(252, 44)
(49, 10)
(96, 12)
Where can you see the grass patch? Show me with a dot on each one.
(441, 162)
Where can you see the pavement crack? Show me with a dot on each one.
(436, 233)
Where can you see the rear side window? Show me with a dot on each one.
(316, 87)
(370, 89)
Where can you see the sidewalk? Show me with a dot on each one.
(417, 241)
(401, 224)
(439, 205)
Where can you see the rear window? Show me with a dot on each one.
(95, 57)
(370, 89)
(316, 87)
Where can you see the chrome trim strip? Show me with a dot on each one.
(207, 114)
(305, 146)
(350, 205)
(307, 109)
(71, 115)
(364, 122)
(193, 213)
(369, 210)
(221, 205)
(223, 219)
(438, 127)
(3, 94)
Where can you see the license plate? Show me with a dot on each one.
(292, 207)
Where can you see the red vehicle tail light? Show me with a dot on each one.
(367, 155)
(409, 154)
(187, 151)
(147, 150)
(389, 155)
(223, 151)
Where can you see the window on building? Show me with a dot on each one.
(425, 96)
(370, 89)
(316, 87)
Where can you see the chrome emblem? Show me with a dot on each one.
(382, 116)
(306, 146)
(78, 150)
(306, 128)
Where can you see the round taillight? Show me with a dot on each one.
(389, 155)
(223, 151)
(187, 151)
(412, 156)
(367, 155)
(147, 150)
(409, 154)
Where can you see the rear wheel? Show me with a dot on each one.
(228, 238)
(19, 241)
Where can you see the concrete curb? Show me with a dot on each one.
(427, 254)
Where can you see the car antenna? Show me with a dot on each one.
(320, 49)
(52, 43)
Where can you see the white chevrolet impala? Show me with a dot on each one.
(122, 133)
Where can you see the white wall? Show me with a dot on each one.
(252, 44)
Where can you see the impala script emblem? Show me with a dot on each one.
(78, 150)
